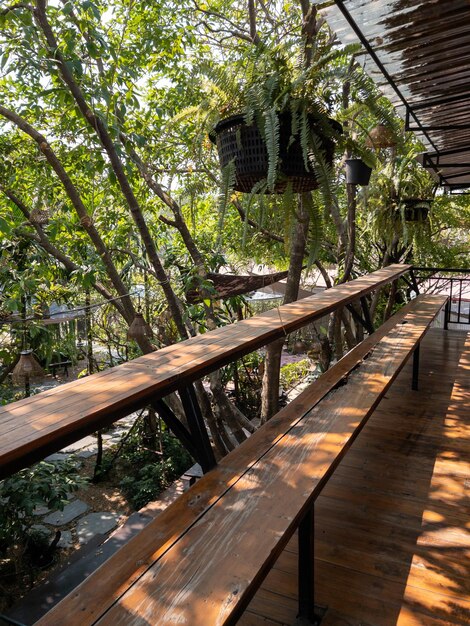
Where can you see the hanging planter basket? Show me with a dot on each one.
(416, 209)
(39, 216)
(381, 136)
(245, 146)
(27, 368)
(357, 172)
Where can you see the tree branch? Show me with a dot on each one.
(98, 125)
(78, 205)
(43, 240)
(18, 5)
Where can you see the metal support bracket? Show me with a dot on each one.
(414, 382)
(365, 321)
(174, 424)
(365, 310)
(414, 281)
(197, 428)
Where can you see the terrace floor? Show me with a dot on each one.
(392, 542)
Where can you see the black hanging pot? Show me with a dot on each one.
(245, 146)
(357, 172)
(416, 209)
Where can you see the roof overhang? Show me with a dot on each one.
(418, 53)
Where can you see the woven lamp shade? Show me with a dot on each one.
(139, 328)
(381, 136)
(39, 216)
(27, 368)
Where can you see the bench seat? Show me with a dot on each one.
(202, 559)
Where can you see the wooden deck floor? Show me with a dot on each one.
(393, 524)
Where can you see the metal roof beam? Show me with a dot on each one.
(449, 177)
(444, 165)
(422, 128)
(449, 152)
(359, 34)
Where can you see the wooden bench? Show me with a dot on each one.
(63, 364)
(42, 424)
(201, 561)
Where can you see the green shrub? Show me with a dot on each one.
(147, 472)
(294, 373)
(23, 548)
(44, 484)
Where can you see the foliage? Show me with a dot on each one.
(159, 77)
(44, 484)
(146, 472)
(244, 377)
(294, 373)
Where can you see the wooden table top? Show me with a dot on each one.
(36, 426)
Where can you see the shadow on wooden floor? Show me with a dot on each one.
(392, 525)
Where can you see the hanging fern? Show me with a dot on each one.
(271, 132)
(226, 188)
(288, 210)
(311, 201)
(323, 171)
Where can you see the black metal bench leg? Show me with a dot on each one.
(307, 615)
(414, 383)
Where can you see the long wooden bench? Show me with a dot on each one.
(201, 561)
(35, 427)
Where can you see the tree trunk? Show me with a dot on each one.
(98, 126)
(391, 300)
(272, 366)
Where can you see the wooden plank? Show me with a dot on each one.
(132, 559)
(435, 605)
(275, 606)
(210, 574)
(49, 419)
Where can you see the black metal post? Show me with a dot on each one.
(306, 615)
(176, 427)
(360, 320)
(197, 428)
(414, 383)
(447, 314)
(460, 300)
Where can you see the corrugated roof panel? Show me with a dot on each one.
(418, 53)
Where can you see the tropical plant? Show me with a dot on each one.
(42, 485)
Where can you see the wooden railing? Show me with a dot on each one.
(37, 426)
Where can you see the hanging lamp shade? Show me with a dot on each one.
(381, 136)
(139, 328)
(27, 368)
(39, 216)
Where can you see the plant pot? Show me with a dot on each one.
(357, 172)
(415, 209)
(245, 146)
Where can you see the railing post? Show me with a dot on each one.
(306, 615)
(460, 300)
(414, 383)
(447, 314)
